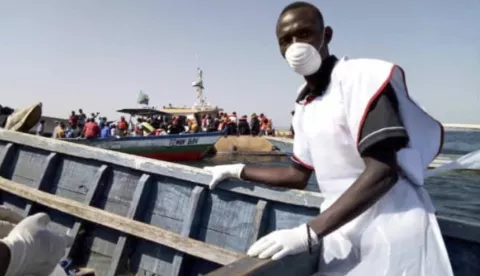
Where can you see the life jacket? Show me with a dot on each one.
(122, 125)
(147, 128)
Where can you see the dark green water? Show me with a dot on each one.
(455, 194)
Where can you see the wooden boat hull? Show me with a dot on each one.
(184, 147)
(130, 214)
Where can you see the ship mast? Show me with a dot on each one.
(201, 102)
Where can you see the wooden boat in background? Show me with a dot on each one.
(130, 214)
(170, 147)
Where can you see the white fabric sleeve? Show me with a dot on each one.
(362, 83)
(301, 151)
(301, 154)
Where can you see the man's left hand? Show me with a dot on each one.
(281, 243)
(8, 220)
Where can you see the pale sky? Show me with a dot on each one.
(97, 55)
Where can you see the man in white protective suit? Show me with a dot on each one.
(369, 145)
(27, 247)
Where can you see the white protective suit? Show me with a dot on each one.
(399, 235)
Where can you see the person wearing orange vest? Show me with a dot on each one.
(122, 126)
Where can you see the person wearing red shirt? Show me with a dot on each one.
(91, 129)
(73, 119)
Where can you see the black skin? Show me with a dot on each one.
(303, 25)
(5, 258)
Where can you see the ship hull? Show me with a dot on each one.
(184, 147)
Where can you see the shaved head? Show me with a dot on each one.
(303, 22)
(306, 5)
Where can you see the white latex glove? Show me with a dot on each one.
(222, 172)
(5, 228)
(281, 243)
(8, 220)
(7, 214)
(34, 249)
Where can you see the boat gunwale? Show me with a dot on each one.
(157, 167)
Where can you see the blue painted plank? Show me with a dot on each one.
(98, 182)
(190, 223)
(44, 181)
(136, 207)
(260, 220)
(6, 160)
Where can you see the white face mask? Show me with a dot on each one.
(303, 58)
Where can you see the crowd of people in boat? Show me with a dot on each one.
(235, 125)
(80, 125)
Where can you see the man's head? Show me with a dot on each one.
(303, 22)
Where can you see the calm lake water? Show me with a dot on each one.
(454, 194)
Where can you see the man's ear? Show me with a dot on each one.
(328, 35)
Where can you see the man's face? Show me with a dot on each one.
(299, 25)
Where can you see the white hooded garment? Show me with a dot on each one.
(399, 235)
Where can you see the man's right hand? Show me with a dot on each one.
(222, 172)
(34, 250)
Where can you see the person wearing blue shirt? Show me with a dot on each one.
(69, 133)
(105, 132)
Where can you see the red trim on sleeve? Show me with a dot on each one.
(310, 99)
(379, 92)
(300, 162)
(370, 102)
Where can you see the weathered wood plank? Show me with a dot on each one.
(151, 166)
(301, 264)
(135, 228)
(45, 179)
(6, 158)
(98, 181)
(260, 218)
(190, 223)
(136, 207)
